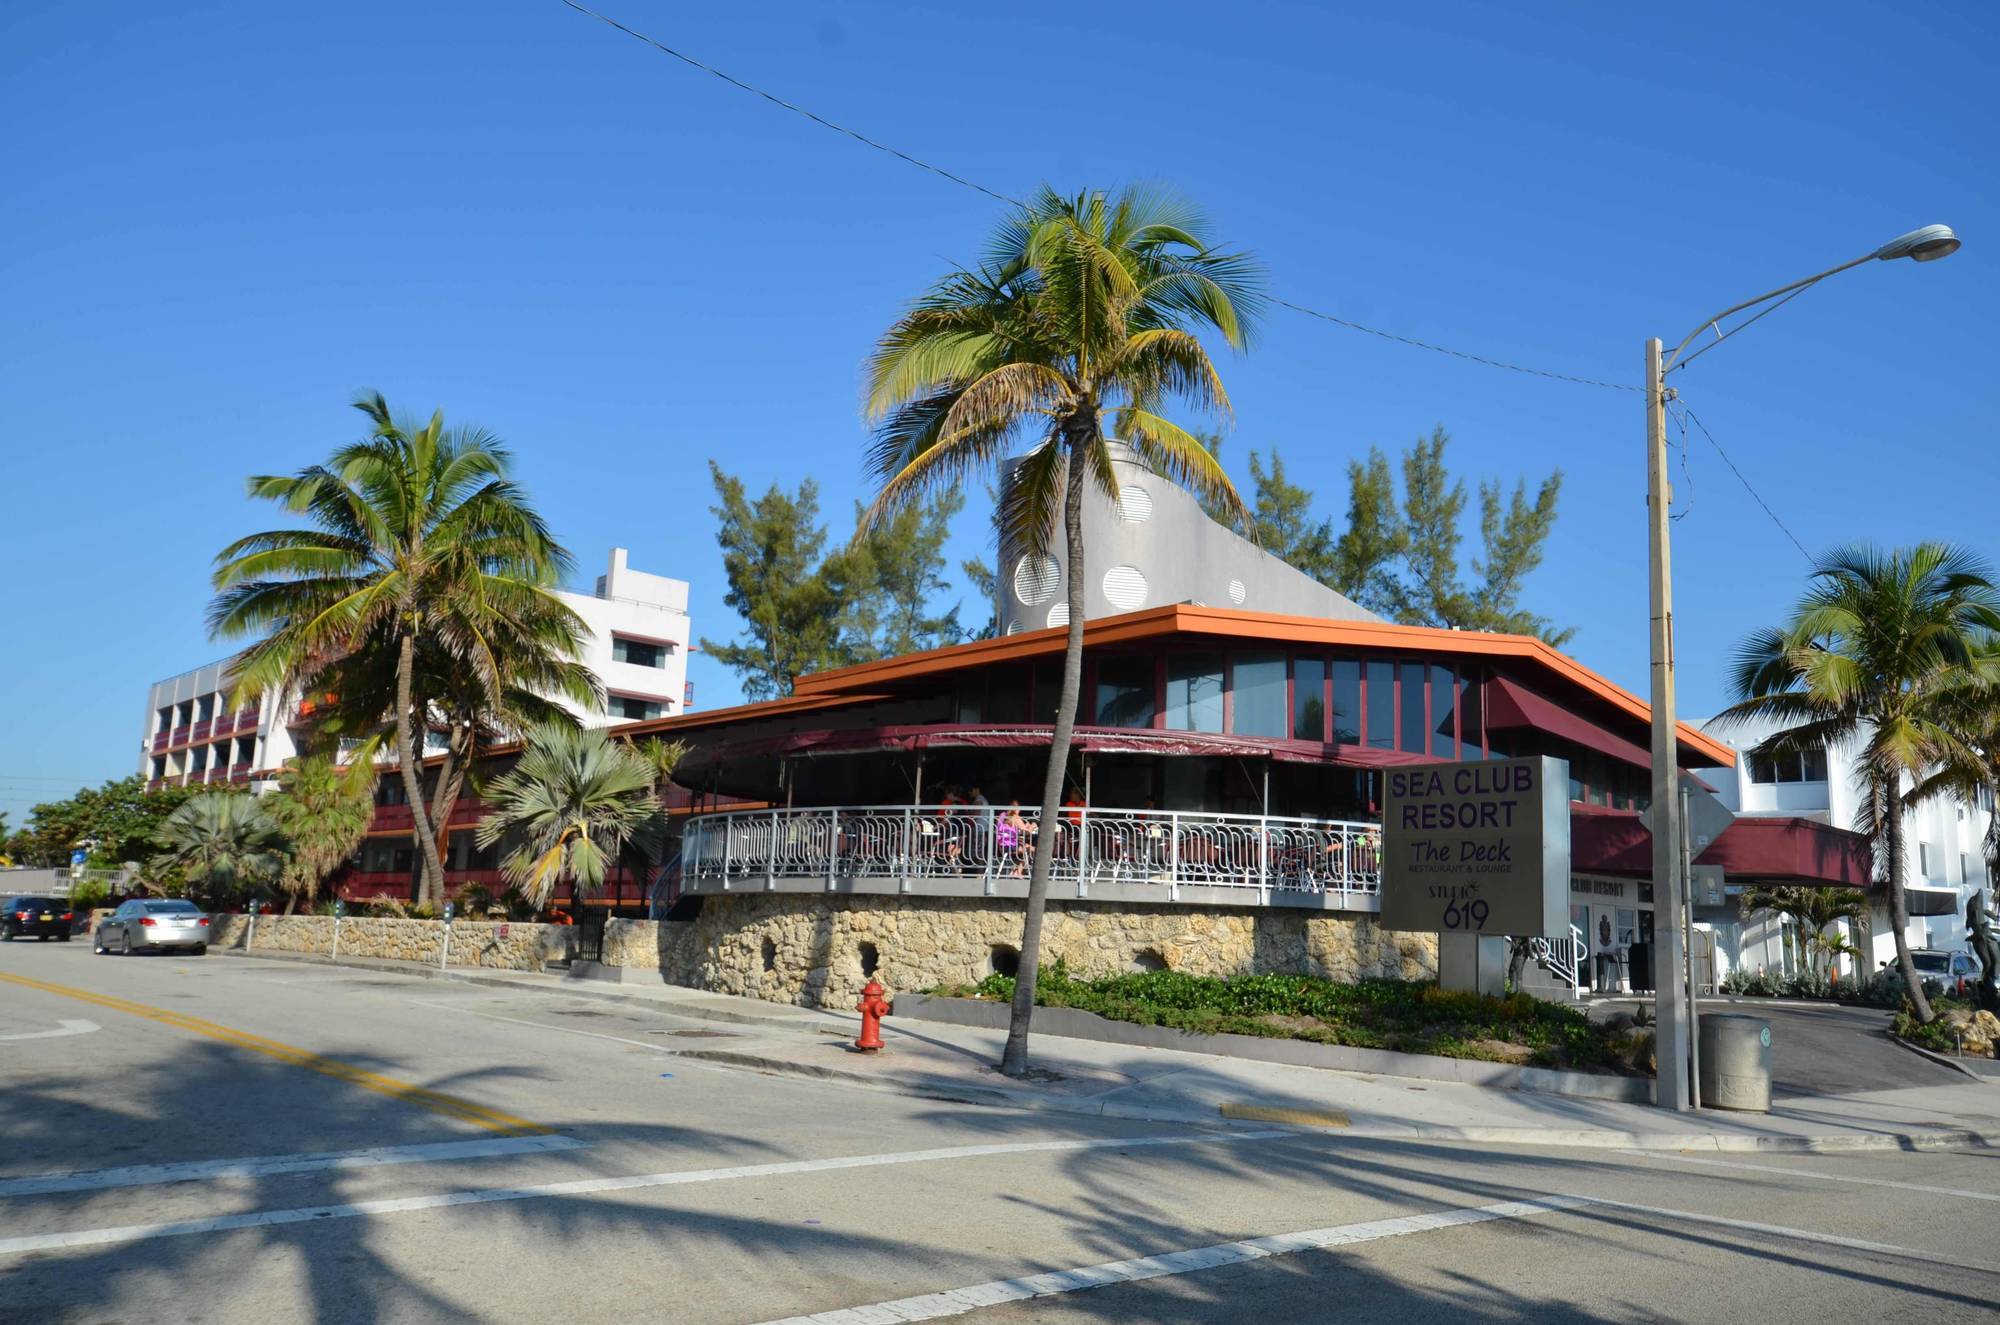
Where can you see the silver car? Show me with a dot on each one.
(155, 923)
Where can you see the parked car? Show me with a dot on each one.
(1957, 972)
(44, 917)
(154, 922)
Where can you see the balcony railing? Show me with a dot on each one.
(181, 736)
(203, 729)
(160, 741)
(1265, 856)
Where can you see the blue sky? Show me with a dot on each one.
(226, 219)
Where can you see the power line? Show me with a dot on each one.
(1441, 349)
(963, 182)
(1746, 482)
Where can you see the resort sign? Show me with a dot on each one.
(1477, 848)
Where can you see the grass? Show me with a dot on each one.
(1403, 1015)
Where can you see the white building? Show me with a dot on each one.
(1943, 838)
(637, 645)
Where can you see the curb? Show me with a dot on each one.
(581, 988)
(1252, 1113)
(1944, 1060)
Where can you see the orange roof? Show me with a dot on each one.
(1154, 623)
(763, 708)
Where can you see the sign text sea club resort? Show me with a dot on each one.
(1225, 797)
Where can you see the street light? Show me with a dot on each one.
(1669, 884)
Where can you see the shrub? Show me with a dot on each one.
(1404, 1015)
(88, 894)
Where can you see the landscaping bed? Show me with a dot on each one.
(1401, 1016)
(1960, 1030)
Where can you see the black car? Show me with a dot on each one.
(43, 917)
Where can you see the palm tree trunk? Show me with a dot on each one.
(1014, 1060)
(1899, 906)
(450, 781)
(413, 785)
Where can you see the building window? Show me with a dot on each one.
(1807, 767)
(159, 767)
(1194, 692)
(1048, 691)
(639, 653)
(1381, 728)
(1471, 718)
(166, 717)
(1258, 697)
(1444, 710)
(1125, 692)
(1347, 701)
(198, 759)
(1308, 699)
(1412, 722)
(204, 708)
(634, 709)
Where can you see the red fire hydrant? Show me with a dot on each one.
(872, 1007)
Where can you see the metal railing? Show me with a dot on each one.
(1564, 957)
(1270, 854)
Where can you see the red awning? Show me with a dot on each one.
(1509, 705)
(1784, 850)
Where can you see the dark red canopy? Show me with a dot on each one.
(1788, 850)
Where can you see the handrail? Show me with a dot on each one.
(1171, 849)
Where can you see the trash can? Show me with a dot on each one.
(1735, 1062)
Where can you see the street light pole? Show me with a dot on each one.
(1669, 887)
(1672, 999)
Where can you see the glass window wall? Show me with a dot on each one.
(1125, 692)
(1308, 699)
(1412, 728)
(1347, 701)
(1194, 692)
(1258, 699)
(1382, 705)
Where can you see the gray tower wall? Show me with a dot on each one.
(1153, 547)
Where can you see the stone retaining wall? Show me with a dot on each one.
(808, 949)
(476, 943)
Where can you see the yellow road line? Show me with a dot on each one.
(451, 1106)
(1270, 1113)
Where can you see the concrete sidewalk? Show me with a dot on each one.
(935, 1061)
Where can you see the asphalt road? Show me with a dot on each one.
(227, 1140)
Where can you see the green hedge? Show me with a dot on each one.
(1403, 1015)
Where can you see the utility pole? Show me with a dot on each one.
(1669, 886)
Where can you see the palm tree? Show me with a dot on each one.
(324, 810)
(1973, 711)
(462, 714)
(1878, 650)
(577, 798)
(421, 547)
(1814, 910)
(220, 842)
(1078, 329)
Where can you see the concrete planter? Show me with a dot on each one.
(1078, 1025)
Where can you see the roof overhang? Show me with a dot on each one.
(1800, 851)
(1153, 624)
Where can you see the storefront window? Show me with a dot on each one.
(1444, 706)
(1194, 692)
(1412, 728)
(1125, 692)
(1347, 701)
(1471, 717)
(1382, 705)
(1259, 695)
(1308, 699)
